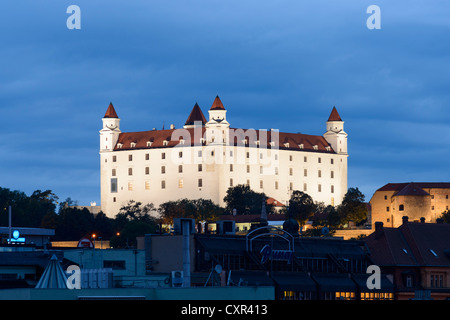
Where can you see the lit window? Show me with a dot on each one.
(130, 186)
(147, 185)
(180, 183)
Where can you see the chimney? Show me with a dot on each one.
(404, 219)
(378, 229)
(422, 220)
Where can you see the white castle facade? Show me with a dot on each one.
(206, 157)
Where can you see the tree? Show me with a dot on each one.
(446, 216)
(301, 207)
(133, 220)
(198, 209)
(353, 207)
(74, 224)
(245, 200)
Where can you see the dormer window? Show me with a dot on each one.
(133, 144)
(328, 148)
(181, 141)
(149, 143)
(272, 143)
(315, 147)
(286, 144)
(165, 142)
(301, 146)
(202, 140)
(119, 145)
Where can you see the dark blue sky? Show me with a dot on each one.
(275, 64)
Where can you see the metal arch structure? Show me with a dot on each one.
(271, 231)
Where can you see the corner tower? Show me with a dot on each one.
(217, 127)
(335, 134)
(110, 131)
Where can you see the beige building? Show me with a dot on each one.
(203, 158)
(416, 200)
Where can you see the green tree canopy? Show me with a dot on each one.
(353, 207)
(245, 200)
(198, 209)
(301, 207)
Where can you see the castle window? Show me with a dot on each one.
(119, 145)
(332, 189)
(231, 182)
(291, 186)
(147, 185)
(248, 182)
(301, 146)
(432, 196)
(385, 197)
(149, 143)
(387, 209)
(147, 170)
(147, 156)
(163, 155)
(163, 184)
(200, 183)
(276, 171)
(401, 207)
(163, 169)
(180, 154)
(133, 144)
(291, 171)
(231, 167)
(319, 160)
(130, 157)
(180, 169)
(261, 184)
(327, 148)
(113, 173)
(130, 171)
(199, 154)
(319, 188)
(130, 186)
(305, 172)
(432, 207)
(319, 173)
(305, 187)
(248, 169)
(315, 147)
(286, 144)
(290, 157)
(165, 142)
(276, 185)
(305, 159)
(114, 158)
(332, 174)
(200, 167)
(113, 185)
(332, 161)
(180, 183)
(261, 170)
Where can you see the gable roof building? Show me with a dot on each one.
(206, 156)
(416, 254)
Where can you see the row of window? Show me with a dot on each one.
(114, 187)
(200, 153)
(402, 208)
(200, 169)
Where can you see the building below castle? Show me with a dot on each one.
(415, 200)
(204, 158)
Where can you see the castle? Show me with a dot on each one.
(206, 157)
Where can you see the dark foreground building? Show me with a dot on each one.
(298, 268)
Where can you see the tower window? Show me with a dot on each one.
(130, 171)
(401, 207)
(130, 157)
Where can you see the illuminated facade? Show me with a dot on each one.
(205, 157)
(416, 200)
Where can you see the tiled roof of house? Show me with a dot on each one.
(411, 244)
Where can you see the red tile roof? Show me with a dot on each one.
(286, 141)
(217, 104)
(334, 116)
(195, 115)
(411, 185)
(111, 112)
(412, 244)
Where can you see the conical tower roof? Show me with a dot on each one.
(217, 104)
(334, 116)
(53, 276)
(196, 115)
(111, 112)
